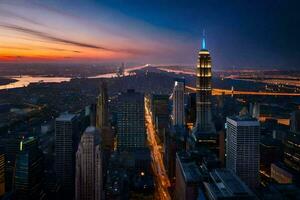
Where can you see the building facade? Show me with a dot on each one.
(29, 171)
(131, 132)
(242, 148)
(89, 181)
(204, 90)
(65, 132)
(178, 114)
(102, 107)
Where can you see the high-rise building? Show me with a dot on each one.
(291, 155)
(242, 148)
(89, 166)
(178, 117)
(131, 132)
(295, 122)
(65, 132)
(10, 145)
(160, 112)
(224, 184)
(188, 178)
(204, 90)
(102, 107)
(29, 171)
(204, 135)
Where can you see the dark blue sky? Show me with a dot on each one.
(240, 33)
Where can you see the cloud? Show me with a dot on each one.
(10, 14)
(51, 38)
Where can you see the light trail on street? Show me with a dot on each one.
(161, 177)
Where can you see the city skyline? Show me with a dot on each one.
(156, 32)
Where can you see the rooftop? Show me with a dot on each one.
(65, 117)
(226, 184)
(189, 168)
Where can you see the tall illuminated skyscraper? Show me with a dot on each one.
(102, 107)
(204, 90)
(204, 134)
(178, 104)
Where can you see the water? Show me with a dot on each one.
(24, 81)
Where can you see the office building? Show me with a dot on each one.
(188, 178)
(295, 121)
(131, 132)
(291, 155)
(224, 184)
(89, 166)
(29, 171)
(160, 112)
(178, 114)
(242, 148)
(102, 107)
(65, 144)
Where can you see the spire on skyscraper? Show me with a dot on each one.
(203, 40)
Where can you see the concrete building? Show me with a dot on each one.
(178, 115)
(188, 178)
(242, 148)
(89, 177)
(65, 143)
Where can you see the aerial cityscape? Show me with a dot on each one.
(149, 100)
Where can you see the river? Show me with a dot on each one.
(24, 81)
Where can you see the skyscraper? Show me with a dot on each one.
(29, 171)
(102, 107)
(204, 135)
(243, 140)
(131, 132)
(65, 130)
(178, 104)
(89, 166)
(204, 90)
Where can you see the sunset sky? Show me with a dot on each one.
(239, 33)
